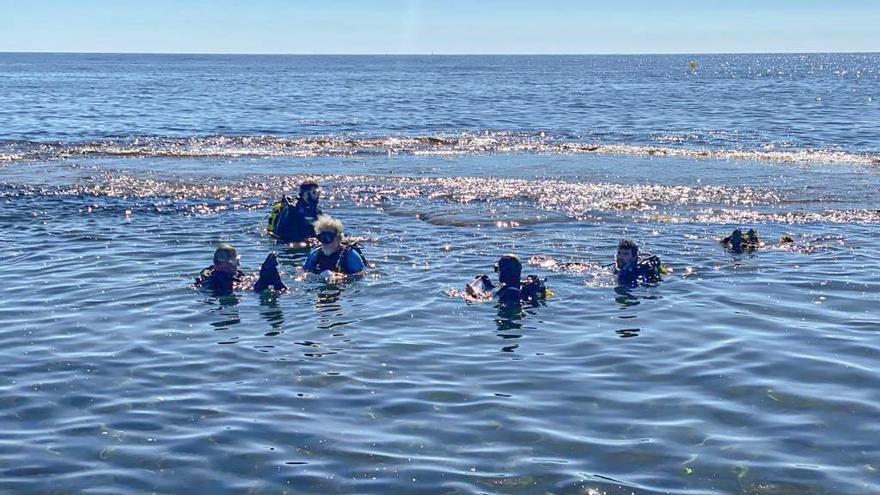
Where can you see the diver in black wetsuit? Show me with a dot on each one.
(512, 289)
(294, 222)
(630, 270)
(224, 277)
(737, 242)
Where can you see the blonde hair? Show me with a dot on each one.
(326, 223)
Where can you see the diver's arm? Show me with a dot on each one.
(354, 264)
(311, 261)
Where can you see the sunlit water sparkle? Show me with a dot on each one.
(748, 374)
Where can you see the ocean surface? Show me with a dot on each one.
(752, 374)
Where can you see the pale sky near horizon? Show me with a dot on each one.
(452, 26)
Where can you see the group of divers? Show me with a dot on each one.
(337, 258)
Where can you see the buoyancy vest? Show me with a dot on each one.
(338, 260)
(219, 281)
(292, 222)
(529, 290)
(647, 270)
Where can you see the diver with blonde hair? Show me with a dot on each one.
(335, 254)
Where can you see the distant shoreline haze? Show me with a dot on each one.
(438, 54)
(452, 27)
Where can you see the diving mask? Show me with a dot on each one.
(327, 237)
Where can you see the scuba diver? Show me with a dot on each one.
(632, 271)
(737, 242)
(335, 255)
(294, 222)
(224, 276)
(512, 289)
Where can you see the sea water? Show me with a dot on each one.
(750, 373)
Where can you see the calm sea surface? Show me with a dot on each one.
(739, 374)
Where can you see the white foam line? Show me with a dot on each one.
(261, 146)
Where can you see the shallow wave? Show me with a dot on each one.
(452, 201)
(440, 144)
(732, 216)
(412, 195)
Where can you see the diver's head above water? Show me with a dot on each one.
(627, 255)
(509, 269)
(309, 192)
(735, 240)
(329, 233)
(738, 242)
(226, 259)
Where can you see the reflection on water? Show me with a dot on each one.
(225, 314)
(628, 298)
(510, 321)
(365, 386)
(625, 298)
(750, 375)
(471, 202)
(509, 324)
(628, 332)
(292, 254)
(327, 297)
(632, 296)
(271, 311)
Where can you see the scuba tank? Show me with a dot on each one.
(533, 288)
(275, 216)
(652, 264)
(647, 269)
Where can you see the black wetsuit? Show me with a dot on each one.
(223, 283)
(528, 291)
(219, 282)
(646, 271)
(296, 223)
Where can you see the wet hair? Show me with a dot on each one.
(509, 269)
(226, 253)
(630, 245)
(306, 185)
(326, 223)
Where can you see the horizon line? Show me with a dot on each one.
(402, 54)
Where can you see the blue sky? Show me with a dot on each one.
(451, 26)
